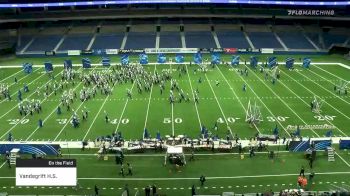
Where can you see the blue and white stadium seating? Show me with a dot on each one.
(44, 43)
(200, 39)
(170, 40)
(295, 40)
(75, 42)
(232, 39)
(138, 40)
(108, 41)
(230, 33)
(264, 40)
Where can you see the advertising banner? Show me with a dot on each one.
(50, 53)
(73, 52)
(230, 50)
(171, 50)
(112, 51)
(266, 50)
(130, 51)
(87, 52)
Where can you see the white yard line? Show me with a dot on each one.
(20, 79)
(172, 111)
(149, 103)
(10, 75)
(217, 177)
(25, 115)
(195, 104)
(162, 155)
(347, 163)
(93, 121)
(2, 165)
(324, 101)
(261, 101)
(207, 177)
(217, 101)
(283, 100)
(233, 91)
(343, 65)
(27, 84)
(318, 67)
(71, 117)
(307, 103)
(172, 120)
(48, 116)
(126, 103)
(68, 122)
(333, 93)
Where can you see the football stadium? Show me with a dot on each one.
(174, 97)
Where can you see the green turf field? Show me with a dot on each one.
(285, 104)
(224, 172)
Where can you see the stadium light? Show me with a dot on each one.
(116, 2)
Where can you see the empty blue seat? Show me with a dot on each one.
(314, 38)
(200, 39)
(330, 39)
(76, 42)
(232, 39)
(139, 40)
(24, 41)
(44, 43)
(170, 40)
(108, 41)
(295, 40)
(264, 40)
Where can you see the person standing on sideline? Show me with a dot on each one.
(129, 169)
(202, 180)
(8, 159)
(192, 155)
(193, 190)
(154, 190)
(302, 171)
(96, 190)
(126, 190)
(122, 170)
(311, 160)
(147, 191)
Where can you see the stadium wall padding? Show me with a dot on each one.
(42, 149)
(344, 144)
(299, 146)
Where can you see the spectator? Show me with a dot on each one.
(129, 169)
(126, 190)
(311, 176)
(302, 171)
(96, 190)
(154, 190)
(8, 159)
(311, 160)
(122, 170)
(193, 190)
(147, 191)
(202, 180)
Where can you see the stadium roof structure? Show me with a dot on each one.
(118, 2)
